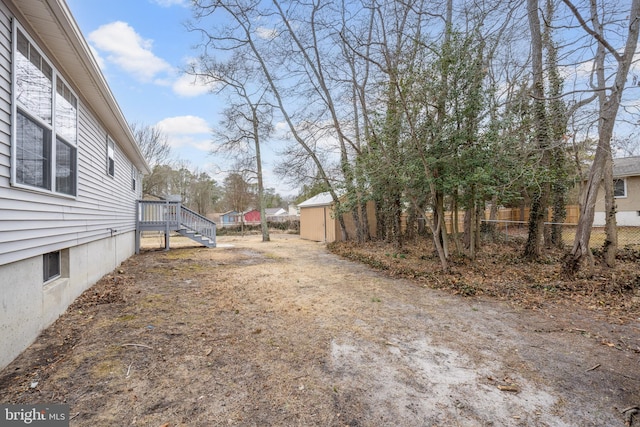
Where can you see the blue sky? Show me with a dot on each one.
(142, 46)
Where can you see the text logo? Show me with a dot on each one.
(53, 415)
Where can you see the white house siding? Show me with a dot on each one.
(95, 231)
(5, 95)
(33, 223)
(623, 219)
(628, 206)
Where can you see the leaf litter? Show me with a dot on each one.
(287, 333)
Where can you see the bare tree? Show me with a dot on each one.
(153, 143)
(204, 193)
(238, 194)
(156, 151)
(247, 119)
(609, 98)
(273, 50)
(626, 146)
(541, 196)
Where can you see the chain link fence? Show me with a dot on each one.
(518, 230)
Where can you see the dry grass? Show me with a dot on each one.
(285, 333)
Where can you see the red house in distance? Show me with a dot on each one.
(252, 216)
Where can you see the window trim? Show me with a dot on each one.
(111, 157)
(47, 275)
(46, 146)
(49, 128)
(134, 179)
(624, 181)
(74, 167)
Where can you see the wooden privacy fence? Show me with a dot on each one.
(512, 223)
(515, 215)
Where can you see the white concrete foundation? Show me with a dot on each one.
(623, 219)
(29, 306)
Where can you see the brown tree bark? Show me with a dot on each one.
(540, 200)
(602, 164)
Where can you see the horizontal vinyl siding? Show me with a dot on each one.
(33, 223)
(99, 190)
(5, 96)
(632, 201)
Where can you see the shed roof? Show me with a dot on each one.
(322, 199)
(627, 166)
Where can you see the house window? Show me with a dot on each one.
(134, 178)
(33, 152)
(65, 167)
(51, 266)
(111, 157)
(33, 79)
(45, 154)
(620, 188)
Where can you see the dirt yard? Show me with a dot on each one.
(286, 334)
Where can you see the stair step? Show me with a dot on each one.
(195, 236)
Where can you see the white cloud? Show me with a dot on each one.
(127, 49)
(169, 3)
(184, 125)
(281, 127)
(187, 85)
(266, 33)
(118, 43)
(200, 143)
(186, 131)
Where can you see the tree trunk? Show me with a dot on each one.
(364, 224)
(492, 225)
(263, 216)
(610, 246)
(558, 128)
(397, 222)
(580, 252)
(609, 106)
(470, 226)
(455, 230)
(441, 226)
(410, 226)
(541, 198)
(479, 215)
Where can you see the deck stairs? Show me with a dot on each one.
(170, 216)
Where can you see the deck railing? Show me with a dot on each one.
(195, 222)
(158, 215)
(168, 216)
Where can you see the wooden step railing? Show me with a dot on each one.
(168, 216)
(193, 221)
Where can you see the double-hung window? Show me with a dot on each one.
(134, 178)
(111, 157)
(46, 123)
(620, 188)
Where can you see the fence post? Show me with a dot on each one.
(178, 215)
